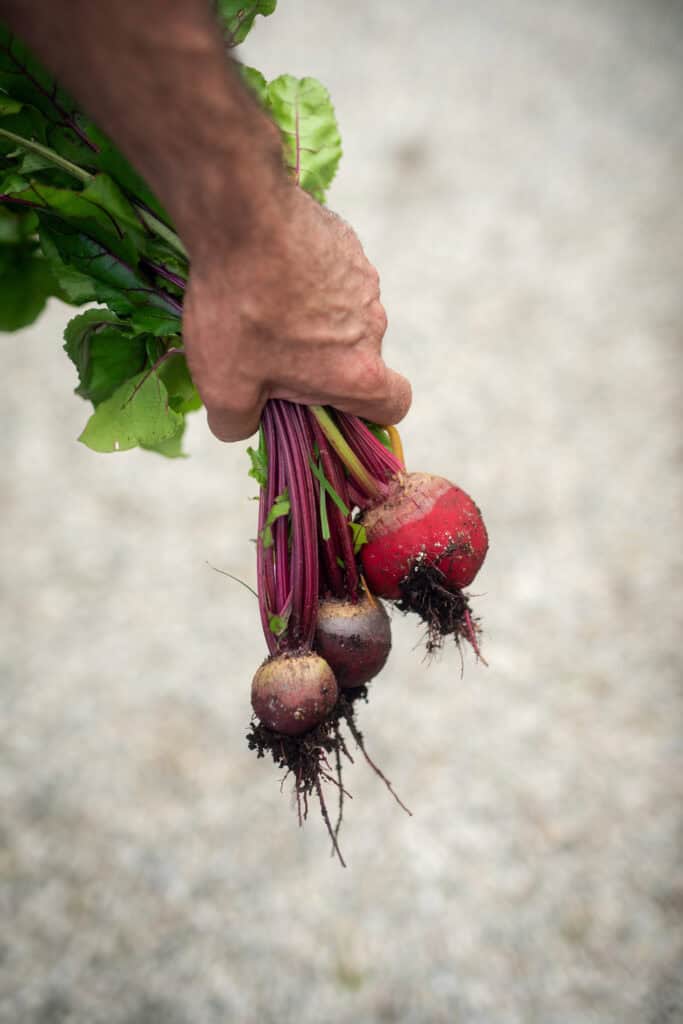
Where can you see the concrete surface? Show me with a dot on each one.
(514, 169)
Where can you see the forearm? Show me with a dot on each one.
(280, 301)
(154, 76)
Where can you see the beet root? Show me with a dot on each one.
(316, 758)
(293, 693)
(444, 610)
(424, 517)
(354, 639)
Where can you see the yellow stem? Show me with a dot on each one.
(371, 597)
(343, 450)
(396, 444)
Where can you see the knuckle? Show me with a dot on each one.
(375, 327)
(381, 320)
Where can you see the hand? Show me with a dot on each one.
(281, 302)
(291, 312)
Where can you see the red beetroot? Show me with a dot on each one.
(293, 693)
(423, 517)
(354, 638)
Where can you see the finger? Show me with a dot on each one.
(382, 395)
(234, 423)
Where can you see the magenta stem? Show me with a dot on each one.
(378, 460)
(265, 571)
(342, 583)
(288, 570)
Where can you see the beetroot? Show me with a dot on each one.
(427, 518)
(335, 499)
(293, 693)
(354, 638)
(307, 545)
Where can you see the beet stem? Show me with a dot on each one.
(371, 487)
(265, 570)
(378, 460)
(288, 569)
(396, 445)
(340, 544)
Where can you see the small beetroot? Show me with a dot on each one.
(293, 693)
(354, 638)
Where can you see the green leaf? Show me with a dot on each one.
(357, 529)
(360, 536)
(237, 17)
(112, 277)
(11, 183)
(25, 285)
(138, 413)
(115, 281)
(24, 79)
(277, 623)
(105, 351)
(161, 252)
(325, 485)
(33, 163)
(20, 73)
(104, 193)
(380, 433)
(9, 106)
(303, 111)
(114, 163)
(182, 394)
(156, 348)
(280, 507)
(16, 227)
(324, 521)
(152, 320)
(255, 81)
(22, 119)
(70, 285)
(259, 460)
(172, 447)
(86, 210)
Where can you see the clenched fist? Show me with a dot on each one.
(291, 312)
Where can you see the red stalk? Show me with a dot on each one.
(288, 569)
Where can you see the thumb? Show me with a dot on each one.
(234, 421)
(383, 396)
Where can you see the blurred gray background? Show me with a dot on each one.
(514, 170)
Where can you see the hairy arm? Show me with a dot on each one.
(281, 301)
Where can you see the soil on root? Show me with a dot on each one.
(445, 610)
(317, 757)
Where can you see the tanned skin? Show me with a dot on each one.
(281, 300)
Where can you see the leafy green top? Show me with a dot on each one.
(303, 110)
(79, 223)
(237, 17)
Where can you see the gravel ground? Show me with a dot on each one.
(514, 170)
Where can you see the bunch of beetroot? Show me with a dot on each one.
(341, 525)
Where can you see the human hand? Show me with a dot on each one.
(281, 301)
(292, 311)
